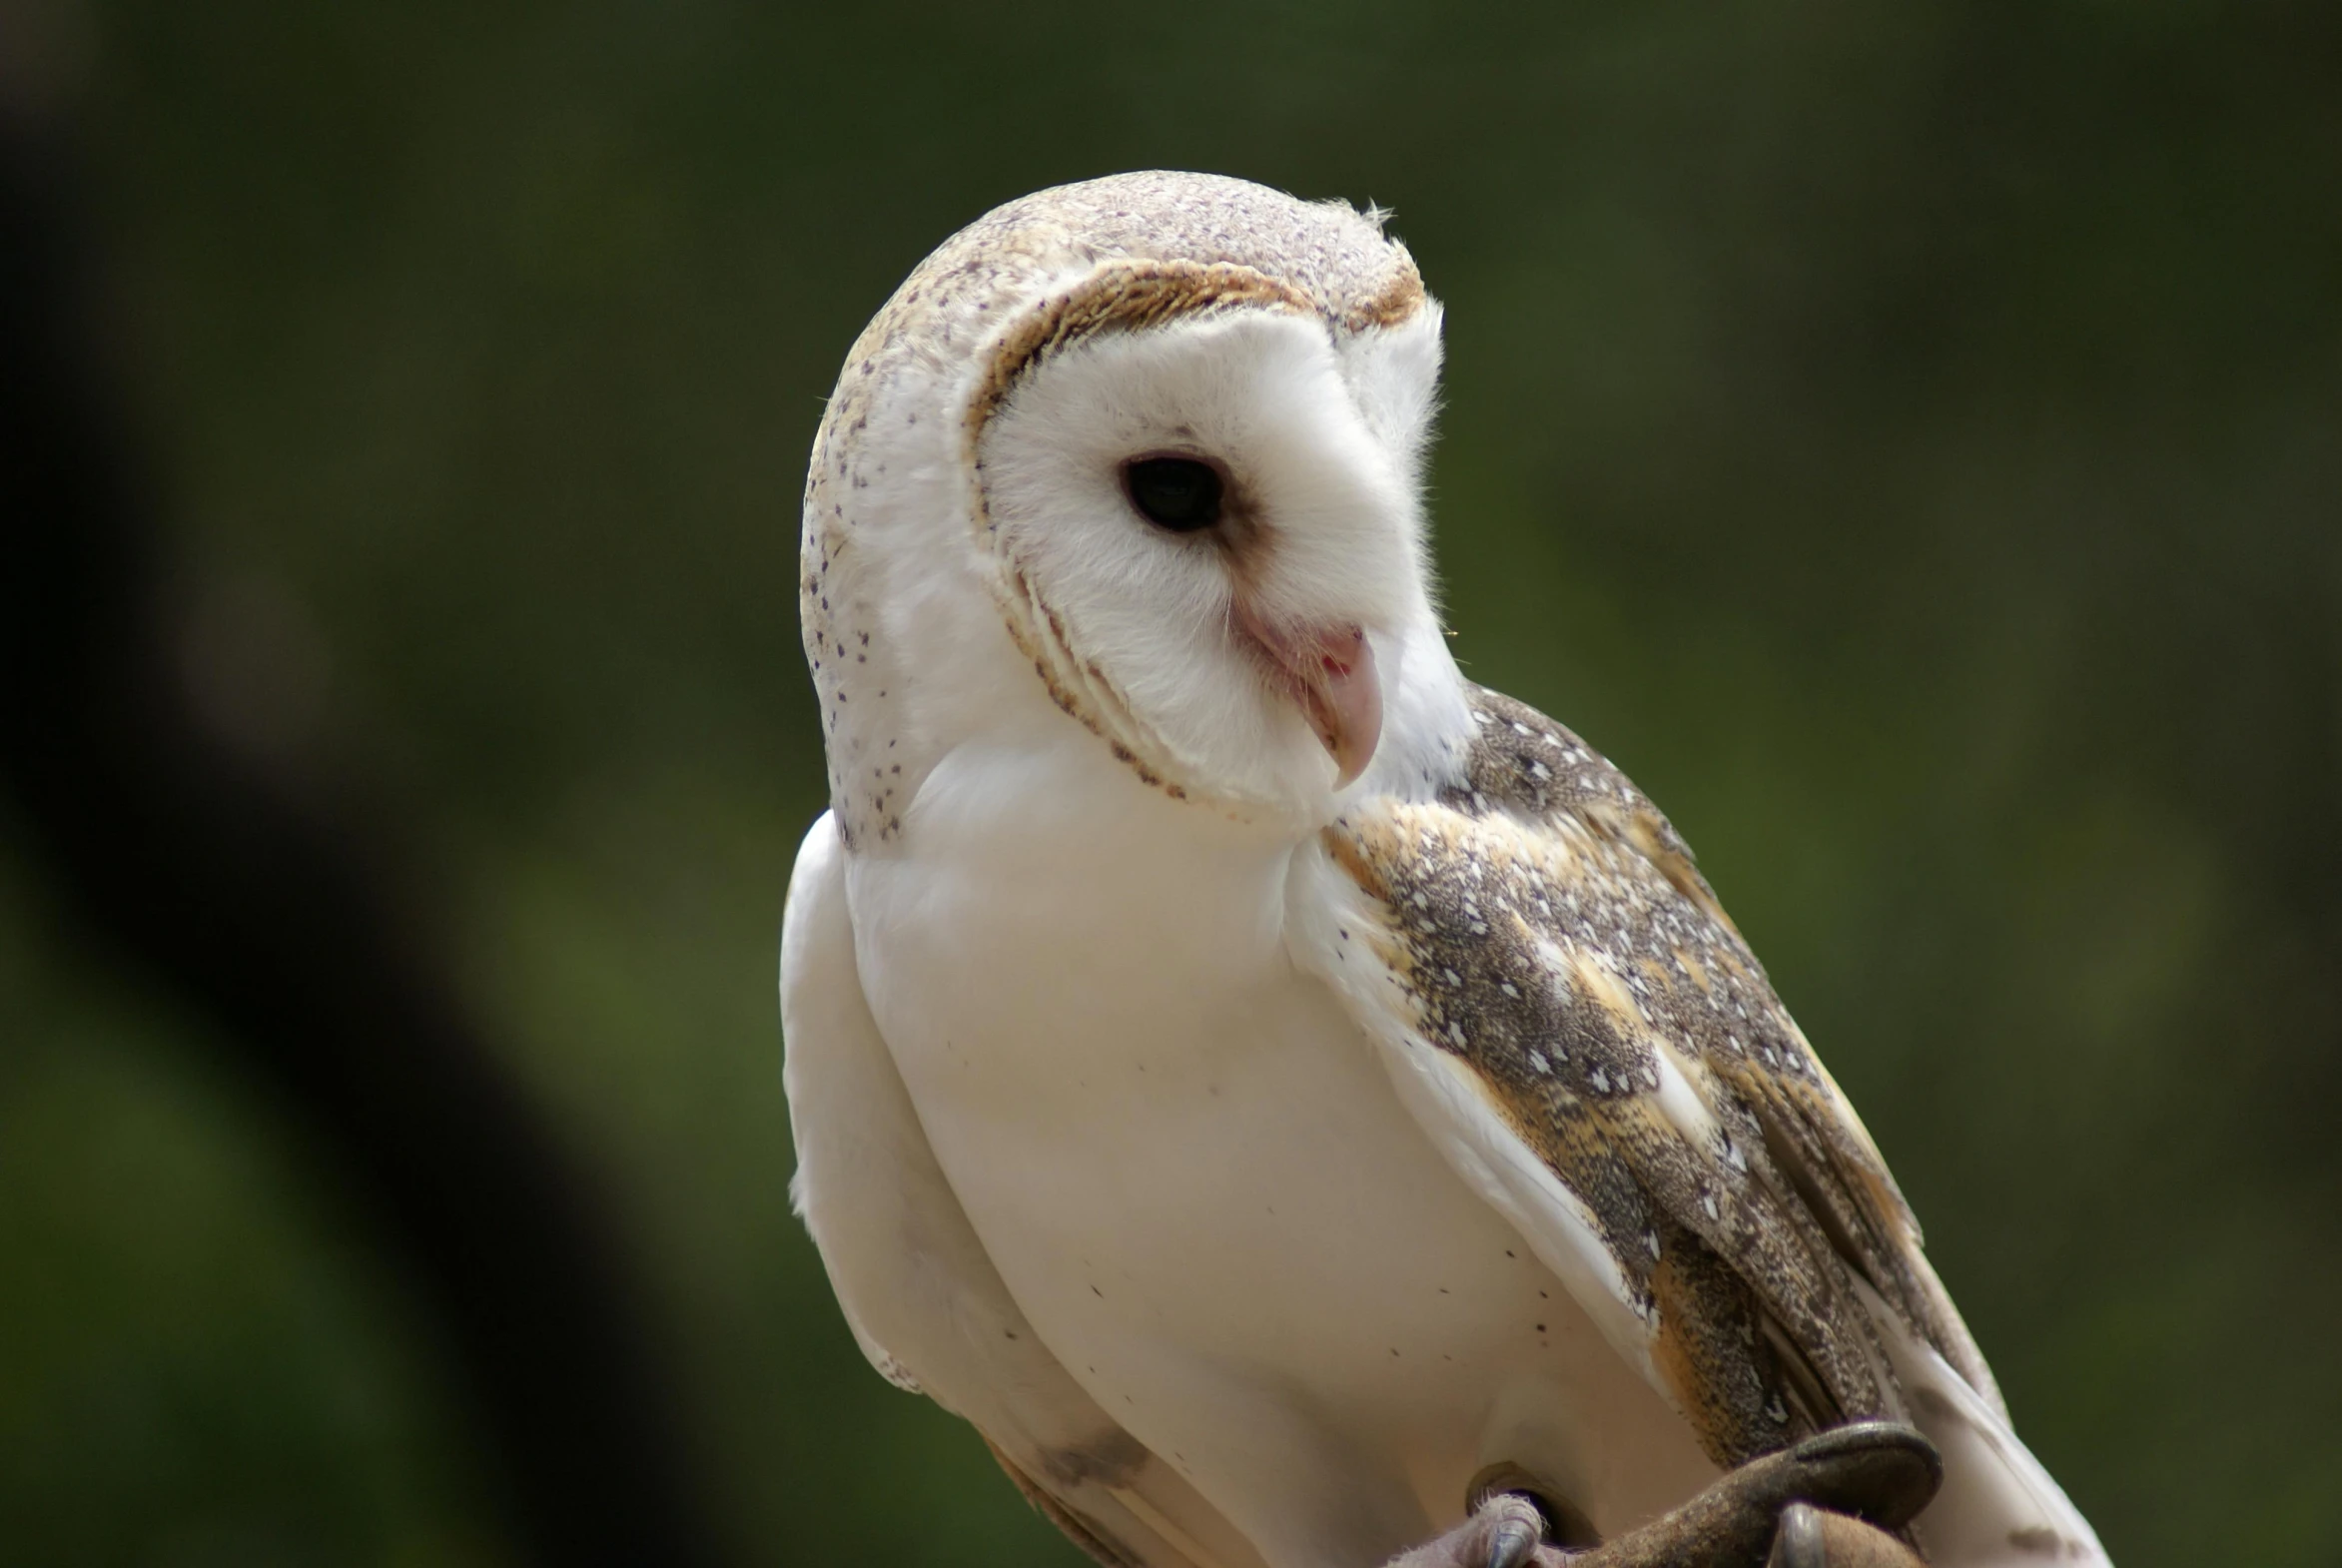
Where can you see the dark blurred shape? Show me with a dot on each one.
(199, 867)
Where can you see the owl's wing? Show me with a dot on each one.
(920, 1295)
(1567, 1009)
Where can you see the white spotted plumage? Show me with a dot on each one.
(1124, 1127)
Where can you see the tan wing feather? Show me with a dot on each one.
(1123, 1506)
(1548, 929)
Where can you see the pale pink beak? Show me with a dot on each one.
(1329, 672)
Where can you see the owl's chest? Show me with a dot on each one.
(1196, 1178)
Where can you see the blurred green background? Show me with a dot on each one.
(1907, 437)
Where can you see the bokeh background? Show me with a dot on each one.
(1905, 436)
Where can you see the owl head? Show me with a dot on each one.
(1143, 452)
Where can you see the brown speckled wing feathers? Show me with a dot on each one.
(1546, 928)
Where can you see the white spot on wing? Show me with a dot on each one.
(1681, 1103)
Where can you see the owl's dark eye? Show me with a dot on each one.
(1177, 493)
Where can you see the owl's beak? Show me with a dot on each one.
(1329, 673)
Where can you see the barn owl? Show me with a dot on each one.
(1289, 1098)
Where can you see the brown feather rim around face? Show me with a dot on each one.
(1126, 295)
(1135, 296)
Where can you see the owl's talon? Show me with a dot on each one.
(1505, 1530)
(1518, 1527)
(1828, 1502)
(1798, 1543)
(1825, 1503)
(1813, 1537)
